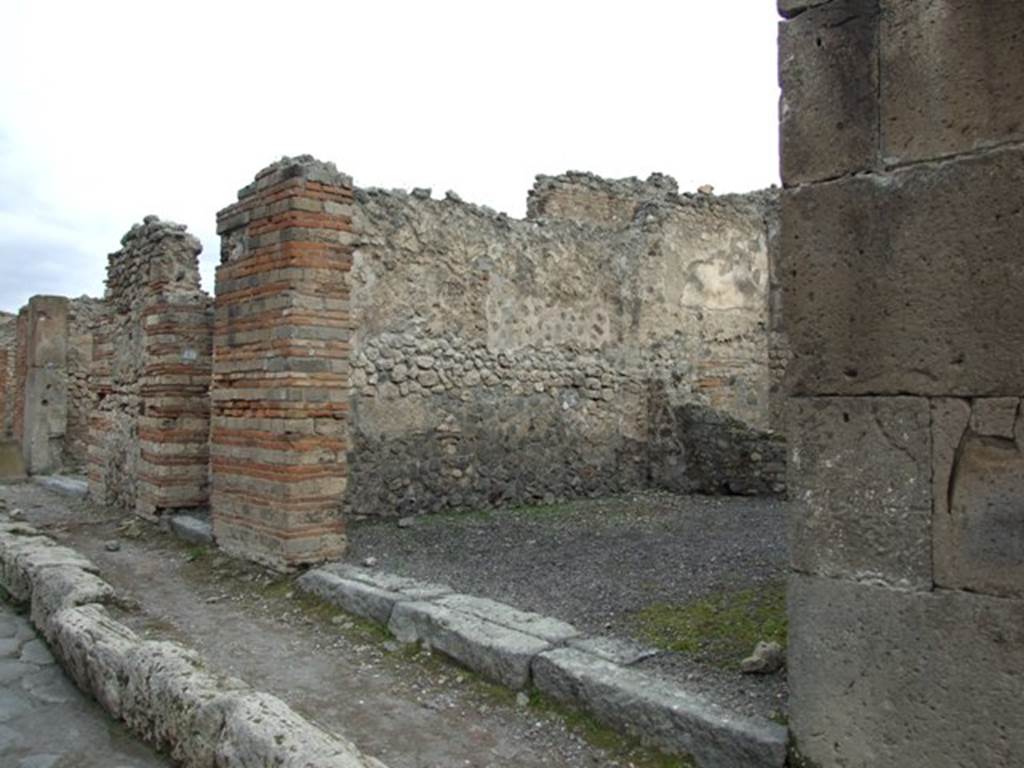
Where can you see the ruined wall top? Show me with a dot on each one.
(617, 203)
(300, 167)
(156, 256)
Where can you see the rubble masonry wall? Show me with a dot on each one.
(8, 355)
(83, 313)
(618, 338)
(148, 439)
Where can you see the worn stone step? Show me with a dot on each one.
(544, 627)
(412, 588)
(191, 528)
(72, 486)
(358, 598)
(658, 711)
(499, 653)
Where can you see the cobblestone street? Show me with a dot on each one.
(45, 722)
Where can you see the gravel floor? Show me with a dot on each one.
(596, 563)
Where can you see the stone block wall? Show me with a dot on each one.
(82, 316)
(20, 371)
(618, 338)
(150, 375)
(903, 163)
(49, 399)
(8, 354)
(42, 391)
(281, 365)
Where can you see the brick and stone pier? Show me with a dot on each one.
(281, 365)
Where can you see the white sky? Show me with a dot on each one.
(113, 110)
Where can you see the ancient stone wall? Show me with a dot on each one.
(150, 375)
(8, 355)
(616, 339)
(20, 371)
(83, 313)
(42, 383)
(902, 235)
(281, 370)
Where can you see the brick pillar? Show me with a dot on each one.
(174, 424)
(150, 375)
(281, 365)
(99, 455)
(903, 253)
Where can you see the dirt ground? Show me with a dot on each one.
(638, 567)
(410, 709)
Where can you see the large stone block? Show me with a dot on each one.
(978, 482)
(952, 79)
(498, 653)
(673, 718)
(48, 331)
(882, 678)
(791, 8)
(860, 481)
(828, 70)
(908, 283)
(46, 411)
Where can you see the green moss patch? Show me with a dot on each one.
(720, 629)
(599, 735)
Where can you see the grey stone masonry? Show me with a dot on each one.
(901, 238)
(659, 712)
(160, 690)
(518, 649)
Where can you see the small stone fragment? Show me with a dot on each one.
(522, 699)
(407, 522)
(112, 546)
(766, 658)
(369, 562)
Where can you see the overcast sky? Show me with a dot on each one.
(110, 111)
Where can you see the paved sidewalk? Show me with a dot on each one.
(45, 722)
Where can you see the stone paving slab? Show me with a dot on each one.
(72, 486)
(412, 588)
(357, 597)
(191, 528)
(552, 630)
(516, 648)
(160, 690)
(496, 652)
(45, 722)
(613, 649)
(658, 711)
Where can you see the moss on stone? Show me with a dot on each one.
(600, 735)
(720, 629)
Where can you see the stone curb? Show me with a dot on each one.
(518, 649)
(190, 528)
(160, 690)
(69, 486)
